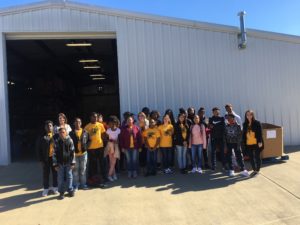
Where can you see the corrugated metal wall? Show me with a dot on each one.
(164, 65)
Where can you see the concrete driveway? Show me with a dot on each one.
(210, 198)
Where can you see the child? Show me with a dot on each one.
(232, 139)
(197, 143)
(45, 149)
(80, 139)
(64, 162)
(152, 139)
(166, 143)
(112, 147)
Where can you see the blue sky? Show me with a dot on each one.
(281, 16)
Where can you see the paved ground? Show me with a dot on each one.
(273, 197)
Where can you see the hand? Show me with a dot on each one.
(260, 144)
(140, 149)
(72, 167)
(56, 168)
(185, 144)
(123, 150)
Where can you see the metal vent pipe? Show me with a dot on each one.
(242, 36)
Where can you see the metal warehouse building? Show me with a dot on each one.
(64, 56)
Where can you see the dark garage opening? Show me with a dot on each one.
(46, 77)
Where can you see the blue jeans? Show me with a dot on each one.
(151, 161)
(181, 156)
(197, 152)
(217, 142)
(65, 178)
(166, 157)
(79, 172)
(132, 159)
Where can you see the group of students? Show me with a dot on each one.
(69, 153)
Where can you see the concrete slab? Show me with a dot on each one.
(211, 198)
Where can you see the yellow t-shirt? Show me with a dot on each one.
(51, 148)
(78, 134)
(95, 131)
(152, 134)
(131, 141)
(166, 133)
(251, 140)
(183, 131)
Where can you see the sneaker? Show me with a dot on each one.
(199, 170)
(245, 173)
(194, 170)
(61, 196)
(110, 178)
(71, 194)
(45, 192)
(75, 189)
(115, 177)
(231, 173)
(84, 187)
(170, 171)
(166, 171)
(55, 190)
(102, 185)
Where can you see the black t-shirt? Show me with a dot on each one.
(218, 123)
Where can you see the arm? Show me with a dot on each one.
(73, 161)
(204, 136)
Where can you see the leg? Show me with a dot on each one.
(92, 163)
(69, 178)
(229, 155)
(76, 172)
(164, 157)
(102, 164)
(112, 163)
(184, 150)
(222, 154)
(205, 157)
(135, 153)
(251, 155)
(82, 171)
(46, 173)
(179, 150)
(154, 162)
(199, 153)
(54, 173)
(60, 176)
(129, 160)
(193, 150)
(257, 159)
(169, 157)
(239, 157)
(213, 153)
(149, 161)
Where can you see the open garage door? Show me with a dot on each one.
(49, 76)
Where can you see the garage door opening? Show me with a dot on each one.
(46, 77)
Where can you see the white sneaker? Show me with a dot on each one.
(231, 173)
(115, 177)
(199, 170)
(55, 190)
(194, 170)
(110, 178)
(245, 173)
(45, 192)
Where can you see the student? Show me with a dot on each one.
(151, 139)
(62, 123)
(96, 132)
(217, 126)
(80, 139)
(190, 115)
(229, 110)
(101, 120)
(146, 111)
(166, 143)
(131, 142)
(45, 149)
(64, 162)
(204, 121)
(112, 147)
(197, 142)
(154, 114)
(253, 140)
(143, 124)
(181, 137)
(232, 140)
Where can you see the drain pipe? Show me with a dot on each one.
(242, 36)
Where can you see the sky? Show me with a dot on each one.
(282, 16)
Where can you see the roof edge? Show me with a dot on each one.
(148, 17)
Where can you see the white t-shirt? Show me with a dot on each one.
(67, 126)
(113, 135)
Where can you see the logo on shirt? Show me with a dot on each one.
(216, 122)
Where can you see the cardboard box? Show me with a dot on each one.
(273, 140)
